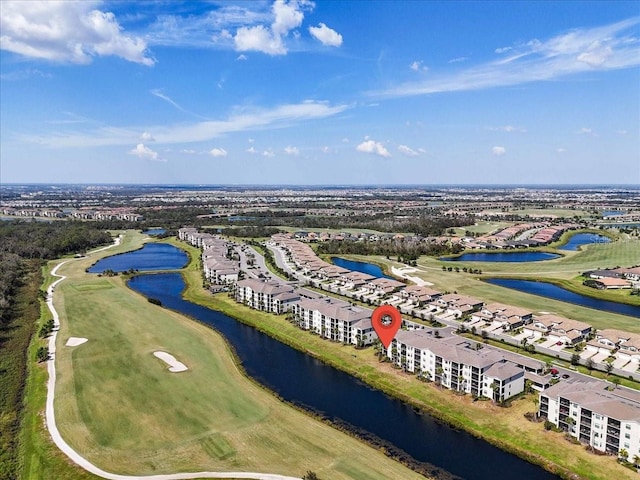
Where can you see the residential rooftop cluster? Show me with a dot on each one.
(606, 420)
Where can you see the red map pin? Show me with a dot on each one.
(386, 321)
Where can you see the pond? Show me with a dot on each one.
(155, 231)
(580, 239)
(299, 378)
(516, 257)
(549, 290)
(362, 267)
(153, 256)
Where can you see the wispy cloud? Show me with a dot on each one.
(158, 93)
(408, 151)
(245, 120)
(418, 66)
(68, 32)
(508, 129)
(609, 47)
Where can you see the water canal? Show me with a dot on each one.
(580, 239)
(153, 256)
(550, 290)
(303, 380)
(362, 267)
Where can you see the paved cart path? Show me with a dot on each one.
(79, 459)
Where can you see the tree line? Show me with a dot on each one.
(24, 246)
(404, 251)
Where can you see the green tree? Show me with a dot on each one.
(42, 354)
(310, 476)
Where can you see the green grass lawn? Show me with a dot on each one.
(122, 409)
(505, 427)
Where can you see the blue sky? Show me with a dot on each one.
(299, 92)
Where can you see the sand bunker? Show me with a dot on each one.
(174, 365)
(75, 341)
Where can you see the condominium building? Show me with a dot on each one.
(336, 320)
(606, 418)
(457, 364)
(270, 296)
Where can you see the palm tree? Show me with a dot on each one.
(623, 454)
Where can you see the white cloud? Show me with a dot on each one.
(622, 132)
(269, 40)
(609, 47)
(409, 152)
(218, 152)
(260, 39)
(252, 150)
(345, 140)
(458, 59)
(587, 131)
(498, 151)
(561, 150)
(326, 35)
(241, 57)
(371, 146)
(144, 152)
(242, 121)
(503, 49)
(147, 137)
(268, 153)
(508, 129)
(72, 32)
(289, 150)
(418, 66)
(189, 151)
(326, 149)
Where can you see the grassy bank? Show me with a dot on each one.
(120, 407)
(505, 428)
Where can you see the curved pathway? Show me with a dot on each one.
(83, 462)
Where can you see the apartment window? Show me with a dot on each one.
(627, 436)
(627, 426)
(626, 445)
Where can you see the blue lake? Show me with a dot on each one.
(303, 380)
(580, 239)
(153, 256)
(517, 257)
(549, 290)
(362, 267)
(155, 231)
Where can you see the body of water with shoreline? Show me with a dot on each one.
(306, 381)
